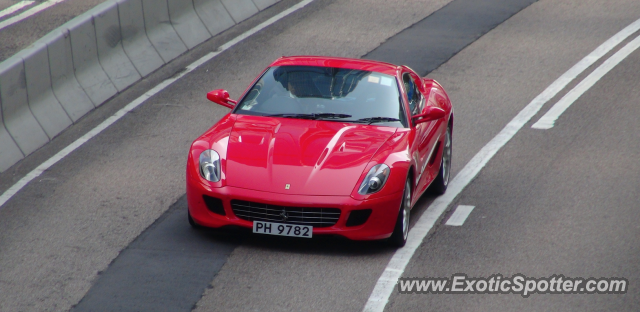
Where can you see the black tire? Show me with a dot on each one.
(401, 230)
(439, 185)
(192, 222)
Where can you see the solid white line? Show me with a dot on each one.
(14, 8)
(28, 13)
(460, 215)
(548, 120)
(109, 121)
(385, 285)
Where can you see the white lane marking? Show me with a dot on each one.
(15, 8)
(109, 121)
(36, 9)
(460, 215)
(548, 120)
(384, 287)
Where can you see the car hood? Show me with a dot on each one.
(298, 156)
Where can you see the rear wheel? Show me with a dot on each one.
(439, 185)
(401, 230)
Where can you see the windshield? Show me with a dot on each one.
(325, 93)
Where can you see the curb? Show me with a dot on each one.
(47, 87)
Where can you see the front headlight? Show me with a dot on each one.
(375, 179)
(210, 165)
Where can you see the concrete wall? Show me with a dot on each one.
(46, 88)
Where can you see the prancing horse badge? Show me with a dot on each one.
(287, 186)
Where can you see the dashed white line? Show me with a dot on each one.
(548, 120)
(389, 278)
(111, 120)
(15, 8)
(460, 215)
(36, 9)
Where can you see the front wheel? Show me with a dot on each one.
(401, 230)
(439, 185)
(193, 222)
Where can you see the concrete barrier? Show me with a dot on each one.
(263, 4)
(187, 23)
(135, 42)
(240, 10)
(89, 73)
(77, 67)
(109, 42)
(214, 15)
(44, 105)
(18, 119)
(65, 86)
(10, 152)
(160, 31)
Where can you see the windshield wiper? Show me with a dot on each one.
(321, 116)
(312, 116)
(371, 120)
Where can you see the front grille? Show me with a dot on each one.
(316, 217)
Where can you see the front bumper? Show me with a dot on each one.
(379, 225)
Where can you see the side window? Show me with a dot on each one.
(418, 95)
(416, 103)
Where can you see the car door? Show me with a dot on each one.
(427, 133)
(416, 100)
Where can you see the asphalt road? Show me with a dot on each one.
(22, 34)
(557, 201)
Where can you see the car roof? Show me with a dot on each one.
(339, 62)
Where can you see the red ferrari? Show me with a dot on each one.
(323, 145)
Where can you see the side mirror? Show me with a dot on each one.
(428, 114)
(221, 97)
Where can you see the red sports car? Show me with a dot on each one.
(323, 145)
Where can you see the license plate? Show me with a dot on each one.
(282, 229)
